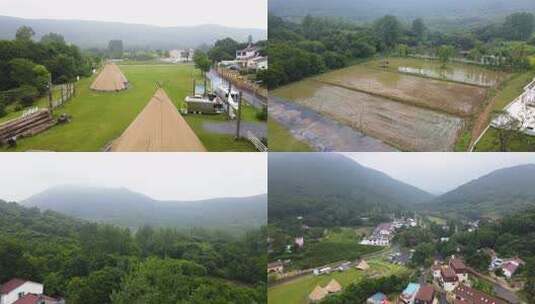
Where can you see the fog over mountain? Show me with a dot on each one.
(124, 207)
(88, 34)
(366, 10)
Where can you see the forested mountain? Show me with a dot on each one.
(367, 10)
(127, 208)
(88, 263)
(500, 192)
(89, 34)
(332, 190)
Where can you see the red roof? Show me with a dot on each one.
(473, 296)
(33, 299)
(448, 274)
(458, 265)
(426, 293)
(11, 285)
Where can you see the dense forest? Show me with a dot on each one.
(94, 263)
(317, 44)
(27, 66)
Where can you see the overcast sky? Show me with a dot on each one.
(233, 13)
(440, 172)
(163, 176)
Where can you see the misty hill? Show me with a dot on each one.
(500, 192)
(331, 189)
(127, 208)
(367, 10)
(87, 34)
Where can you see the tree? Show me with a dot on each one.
(22, 71)
(508, 129)
(24, 33)
(203, 63)
(388, 30)
(445, 53)
(419, 29)
(115, 49)
(224, 49)
(52, 38)
(519, 26)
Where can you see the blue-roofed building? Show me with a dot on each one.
(408, 295)
(378, 298)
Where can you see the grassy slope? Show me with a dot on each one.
(296, 292)
(281, 140)
(512, 89)
(98, 118)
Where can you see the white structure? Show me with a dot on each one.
(178, 56)
(522, 109)
(249, 52)
(300, 242)
(15, 289)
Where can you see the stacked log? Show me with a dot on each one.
(26, 126)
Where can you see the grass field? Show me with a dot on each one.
(334, 247)
(510, 90)
(436, 220)
(296, 292)
(281, 140)
(99, 118)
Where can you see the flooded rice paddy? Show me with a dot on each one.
(421, 112)
(404, 126)
(449, 97)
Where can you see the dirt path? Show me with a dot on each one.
(322, 133)
(229, 127)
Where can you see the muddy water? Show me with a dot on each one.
(465, 75)
(448, 97)
(404, 126)
(322, 133)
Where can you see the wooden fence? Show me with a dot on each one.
(256, 142)
(242, 83)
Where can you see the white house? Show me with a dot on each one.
(16, 289)
(176, 56)
(249, 52)
(299, 242)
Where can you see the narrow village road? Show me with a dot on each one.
(218, 81)
(322, 133)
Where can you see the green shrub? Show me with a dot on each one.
(28, 94)
(262, 114)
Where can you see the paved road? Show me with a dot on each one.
(322, 133)
(251, 98)
(258, 129)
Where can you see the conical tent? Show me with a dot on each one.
(110, 79)
(158, 128)
(317, 294)
(333, 286)
(362, 265)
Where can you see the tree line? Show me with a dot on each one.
(94, 263)
(28, 66)
(319, 44)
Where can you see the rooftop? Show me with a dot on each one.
(473, 296)
(11, 285)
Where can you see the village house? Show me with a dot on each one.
(19, 291)
(426, 295)
(409, 293)
(509, 267)
(466, 295)
(378, 298)
(249, 52)
(275, 267)
(448, 279)
(381, 236)
(460, 269)
(178, 56)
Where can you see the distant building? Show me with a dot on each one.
(249, 52)
(509, 267)
(466, 295)
(460, 269)
(275, 267)
(19, 291)
(409, 293)
(299, 242)
(448, 279)
(177, 56)
(426, 295)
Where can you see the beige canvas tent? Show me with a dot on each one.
(158, 128)
(317, 294)
(362, 265)
(333, 286)
(110, 79)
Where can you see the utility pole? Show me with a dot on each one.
(50, 106)
(228, 99)
(239, 117)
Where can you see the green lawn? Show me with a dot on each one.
(510, 90)
(281, 140)
(99, 118)
(296, 292)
